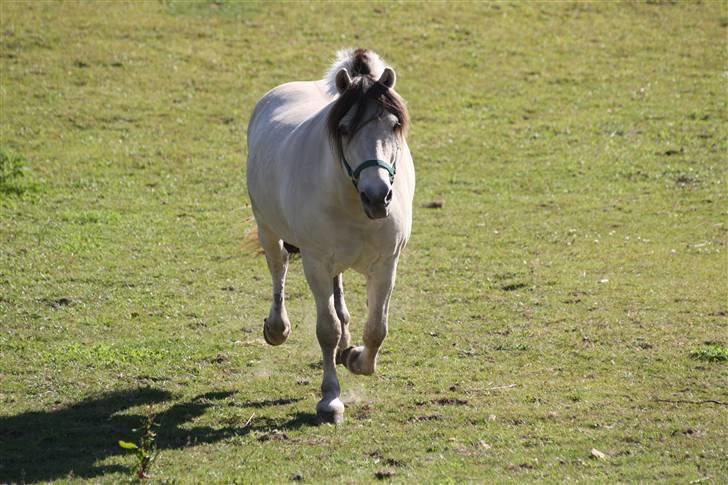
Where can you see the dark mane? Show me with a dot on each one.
(360, 62)
(362, 90)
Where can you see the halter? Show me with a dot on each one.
(354, 174)
(391, 168)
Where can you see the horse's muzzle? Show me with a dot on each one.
(376, 206)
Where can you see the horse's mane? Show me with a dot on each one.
(365, 67)
(355, 61)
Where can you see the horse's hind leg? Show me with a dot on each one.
(276, 327)
(343, 314)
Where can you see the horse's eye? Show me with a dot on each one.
(344, 130)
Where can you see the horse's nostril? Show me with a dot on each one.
(378, 198)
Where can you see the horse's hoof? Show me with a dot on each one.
(342, 355)
(353, 359)
(265, 336)
(331, 412)
(326, 417)
(271, 341)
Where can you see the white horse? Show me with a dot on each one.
(330, 174)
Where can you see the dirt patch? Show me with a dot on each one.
(435, 204)
(379, 457)
(271, 402)
(449, 401)
(429, 417)
(60, 302)
(361, 412)
(274, 435)
(513, 286)
(219, 359)
(672, 152)
(384, 474)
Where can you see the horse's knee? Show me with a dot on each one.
(329, 334)
(328, 337)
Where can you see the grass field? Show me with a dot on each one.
(570, 295)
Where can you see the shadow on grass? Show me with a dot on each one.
(69, 441)
(271, 402)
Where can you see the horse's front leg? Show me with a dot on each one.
(380, 282)
(328, 330)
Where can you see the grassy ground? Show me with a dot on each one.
(569, 295)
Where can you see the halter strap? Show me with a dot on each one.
(354, 174)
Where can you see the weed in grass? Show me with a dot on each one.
(711, 353)
(11, 173)
(10, 167)
(146, 451)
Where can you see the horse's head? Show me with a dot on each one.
(367, 125)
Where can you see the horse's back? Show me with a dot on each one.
(279, 134)
(285, 107)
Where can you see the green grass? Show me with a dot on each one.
(12, 172)
(711, 352)
(569, 295)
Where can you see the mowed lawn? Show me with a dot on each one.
(562, 316)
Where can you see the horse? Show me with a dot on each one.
(330, 175)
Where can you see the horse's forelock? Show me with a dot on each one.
(362, 90)
(391, 102)
(343, 104)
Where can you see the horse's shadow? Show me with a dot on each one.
(70, 441)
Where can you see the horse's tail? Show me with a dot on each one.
(250, 243)
(358, 62)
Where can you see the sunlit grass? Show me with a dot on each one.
(567, 291)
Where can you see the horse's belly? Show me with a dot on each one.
(268, 209)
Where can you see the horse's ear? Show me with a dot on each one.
(343, 80)
(388, 77)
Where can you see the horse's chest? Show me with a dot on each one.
(368, 249)
(346, 245)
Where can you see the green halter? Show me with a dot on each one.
(354, 174)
